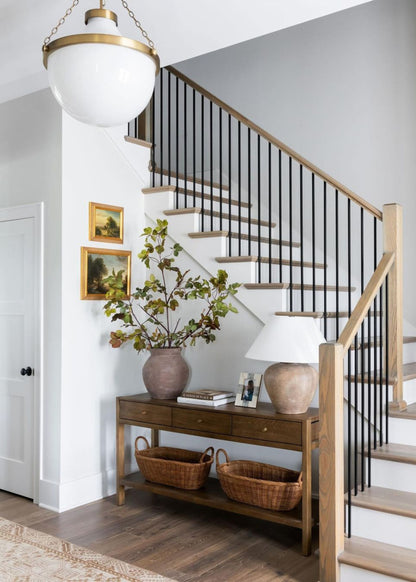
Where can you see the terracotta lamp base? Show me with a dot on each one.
(291, 387)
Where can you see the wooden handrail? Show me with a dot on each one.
(358, 315)
(269, 137)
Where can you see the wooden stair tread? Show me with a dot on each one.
(255, 259)
(409, 412)
(198, 195)
(409, 373)
(253, 238)
(296, 286)
(190, 179)
(380, 558)
(386, 500)
(315, 314)
(366, 344)
(216, 214)
(137, 141)
(395, 452)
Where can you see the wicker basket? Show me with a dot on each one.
(175, 467)
(259, 484)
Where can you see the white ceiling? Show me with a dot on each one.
(180, 29)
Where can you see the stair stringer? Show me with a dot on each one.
(262, 304)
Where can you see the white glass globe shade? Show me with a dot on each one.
(101, 84)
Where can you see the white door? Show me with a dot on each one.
(17, 353)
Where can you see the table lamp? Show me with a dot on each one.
(293, 342)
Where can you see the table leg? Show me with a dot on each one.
(155, 437)
(121, 494)
(307, 489)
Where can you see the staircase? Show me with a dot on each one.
(301, 242)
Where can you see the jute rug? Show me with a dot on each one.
(27, 555)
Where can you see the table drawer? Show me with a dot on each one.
(278, 431)
(147, 413)
(202, 421)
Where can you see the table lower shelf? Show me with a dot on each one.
(211, 495)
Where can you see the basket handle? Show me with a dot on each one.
(145, 440)
(300, 478)
(227, 460)
(208, 451)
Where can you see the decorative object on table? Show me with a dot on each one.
(293, 342)
(174, 467)
(100, 77)
(151, 313)
(259, 484)
(106, 222)
(206, 397)
(248, 389)
(97, 265)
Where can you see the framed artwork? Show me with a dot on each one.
(248, 389)
(106, 223)
(97, 264)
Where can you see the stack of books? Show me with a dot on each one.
(207, 397)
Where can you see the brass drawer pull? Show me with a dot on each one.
(144, 412)
(199, 420)
(265, 429)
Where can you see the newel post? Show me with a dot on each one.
(393, 242)
(331, 459)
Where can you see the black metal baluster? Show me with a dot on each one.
(349, 404)
(161, 124)
(229, 184)
(169, 128)
(270, 211)
(259, 204)
(177, 142)
(238, 184)
(211, 168)
(202, 162)
(387, 349)
(362, 341)
(376, 340)
(194, 148)
(381, 362)
(337, 263)
(313, 246)
(185, 143)
(220, 159)
(302, 303)
(280, 219)
(290, 237)
(249, 188)
(153, 157)
(325, 273)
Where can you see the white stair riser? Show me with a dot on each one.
(384, 527)
(409, 391)
(353, 574)
(393, 475)
(403, 431)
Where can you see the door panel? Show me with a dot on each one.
(17, 313)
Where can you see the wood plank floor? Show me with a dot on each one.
(185, 542)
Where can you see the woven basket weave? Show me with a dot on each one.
(175, 467)
(260, 484)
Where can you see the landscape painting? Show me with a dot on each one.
(106, 223)
(97, 265)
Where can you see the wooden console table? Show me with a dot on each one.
(255, 426)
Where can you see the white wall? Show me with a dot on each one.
(30, 171)
(340, 90)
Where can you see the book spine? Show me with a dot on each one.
(199, 396)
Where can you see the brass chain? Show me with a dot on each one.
(138, 24)
(60, 23)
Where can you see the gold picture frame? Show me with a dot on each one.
(106, 223)
(96, 264)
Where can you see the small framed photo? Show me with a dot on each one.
(97, 264)
(248, 389)
(106, 223)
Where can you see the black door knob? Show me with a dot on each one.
(26, 371)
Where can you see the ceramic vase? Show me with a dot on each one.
(165, 373)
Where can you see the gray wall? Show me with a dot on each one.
(341, 91)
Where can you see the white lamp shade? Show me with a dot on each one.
(101, 84)
(288, 339)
